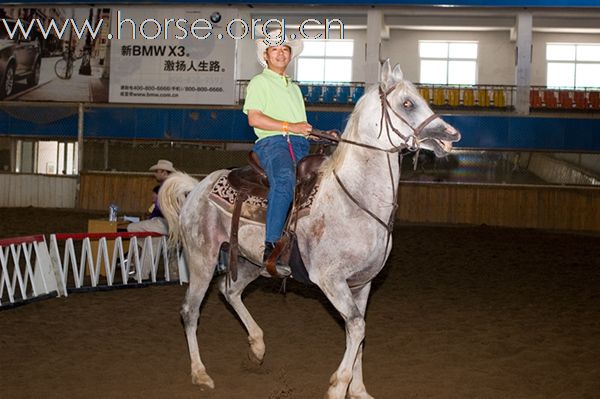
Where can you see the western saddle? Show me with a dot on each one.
(251, 180)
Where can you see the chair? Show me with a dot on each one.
(565, 99)
(454, 97)
(594, 98)
(314, 94)
(328, 93)
(424, 91)
(304, 89)
(357, 93)
(550, 99)
(483, 98)
(342, 95)
(581, 101)
(468, 98)
(499, 98)
(535, 100)
(439, 97)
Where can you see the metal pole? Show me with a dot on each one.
(79, 153)
(80, 116)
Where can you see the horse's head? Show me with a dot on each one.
(406, 118)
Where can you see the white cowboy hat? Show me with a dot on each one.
(164, 165)
(274, 39)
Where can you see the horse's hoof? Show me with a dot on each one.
(362, 395)
(203, 380)
(254, 358)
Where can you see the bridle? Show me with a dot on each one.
(386, 121)
(410, 143)
(386, 107)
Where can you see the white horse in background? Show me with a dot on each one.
(344, 241)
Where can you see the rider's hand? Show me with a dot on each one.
(303, 128)
(335, 134)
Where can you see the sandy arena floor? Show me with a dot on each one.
(458, 312)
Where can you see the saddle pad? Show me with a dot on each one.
(224, 196)
(254, 209)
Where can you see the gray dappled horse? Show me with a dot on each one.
(344, 241)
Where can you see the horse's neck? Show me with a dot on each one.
(371, 177)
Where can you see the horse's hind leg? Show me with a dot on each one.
(357, 388)
(201, 266)
(233, 294)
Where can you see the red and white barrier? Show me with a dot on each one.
(30, 269)
(25, 270)
(82, 266)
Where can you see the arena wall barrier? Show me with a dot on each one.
(20, 190)
(520, 206)
(25, 270)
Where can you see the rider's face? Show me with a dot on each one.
(278, 57)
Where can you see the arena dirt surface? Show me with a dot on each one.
(458, 312)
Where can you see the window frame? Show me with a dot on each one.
(575, 62)
(325, 57)
(447, 59)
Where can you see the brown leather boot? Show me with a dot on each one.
(271, 257)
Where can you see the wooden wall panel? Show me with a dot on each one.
(132, 192)
(545, 207)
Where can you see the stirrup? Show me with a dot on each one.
(283, 271)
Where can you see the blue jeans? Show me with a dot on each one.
(276, 160)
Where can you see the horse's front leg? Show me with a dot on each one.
(338, 292)
(357, 388)
(233, 294)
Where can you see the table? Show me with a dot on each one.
(106, 226)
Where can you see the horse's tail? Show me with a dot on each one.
(171, 197)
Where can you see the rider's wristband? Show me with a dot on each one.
(285, 126)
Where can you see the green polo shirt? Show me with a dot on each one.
(277, 97)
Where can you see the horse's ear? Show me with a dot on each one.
(397, 74)
(386, 74)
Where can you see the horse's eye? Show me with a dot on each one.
(407, 104)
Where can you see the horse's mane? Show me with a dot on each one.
(350, 132)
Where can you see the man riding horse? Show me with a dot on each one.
(275, 109)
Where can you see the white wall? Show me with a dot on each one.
(20, 190)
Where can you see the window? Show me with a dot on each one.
(325, 61)
(46, 157)
(573, 65)
(453, 63)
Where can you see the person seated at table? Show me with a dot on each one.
(153, 210)
(156, 223)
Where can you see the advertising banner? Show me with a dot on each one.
(172, 55)
(54, 54)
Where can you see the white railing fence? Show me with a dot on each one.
(84, 261)
(25, 270)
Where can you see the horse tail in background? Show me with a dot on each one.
(171, 197)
